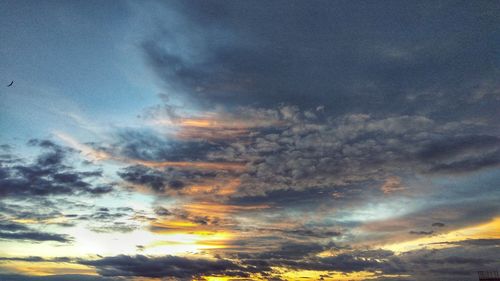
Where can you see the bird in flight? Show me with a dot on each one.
(11, 83)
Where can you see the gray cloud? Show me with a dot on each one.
(48, 174)
(392, 59)
(15, 231)
(167, 266)
(151, 146)
(421, 232)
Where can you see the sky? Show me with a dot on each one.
(249, 140)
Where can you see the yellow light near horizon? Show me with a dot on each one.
(175, 224)
(184, 243)
(326, 275)
(489, 230)
(46, 268)
(224, 278)
(194, 238)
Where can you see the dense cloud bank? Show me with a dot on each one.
(308, 149)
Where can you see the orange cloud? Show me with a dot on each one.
(392, 184)
(214, 125)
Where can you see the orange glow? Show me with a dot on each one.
(192, 241)
(326, 275)
(392, 184)
(175, 224)
(214, 125)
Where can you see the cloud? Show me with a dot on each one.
(392, 184)
(351, 149)
(304, 256)
(34, 236)
(36, 259)
(289, 148)
(475, 242)
(141, 175)
(15, 231)
(459, 262)
(109, 220)
(462, 153)
(234, 54)
(166, 266)
(421, 232)
(180, 180)
(49, 174)
(305, 135)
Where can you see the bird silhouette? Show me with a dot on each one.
(11, 83)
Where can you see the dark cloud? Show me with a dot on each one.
(15, 231)
(169, 179)
(183, 215)
(350, 263)
(162, 212)
(458, 262)
(167, 266)
(309, 149)
(290, 255)
(353, 149)
(37, 259)
(303, 256)
(141, 175)
(421, 232)
(438, 224)
(49, 174)
(475, 242)
(151, 146)
(394, 57)
(12, 226)
(294, 250)
(10, 230)
(469, 164)
(450, 147)
(311, 233)
(462, 153)
(35, 236)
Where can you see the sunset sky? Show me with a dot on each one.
(249, 140)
